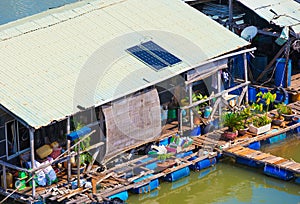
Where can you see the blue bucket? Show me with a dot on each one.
(252, 94)
(280, 72)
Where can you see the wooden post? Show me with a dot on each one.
(246, 75)
(190, 103)
(4, 177)
(219, 90)
(68, 150)
(78, 165)
(31, 135)
(230, 14)
(287, 57)
(180, 121)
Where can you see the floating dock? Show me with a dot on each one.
(264, 158)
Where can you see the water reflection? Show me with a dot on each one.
(224, 183)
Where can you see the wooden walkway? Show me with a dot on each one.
(264, 158)
(295, 83)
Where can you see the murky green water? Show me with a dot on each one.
(230, 183)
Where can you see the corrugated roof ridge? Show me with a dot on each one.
(95, 6)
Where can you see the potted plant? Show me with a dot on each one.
(260, 124)
(285, 111)
(245, 114)
(233, 121)
(277, 119)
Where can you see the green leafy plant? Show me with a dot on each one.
(268, 97)
(259, 121)
(233, 121)
(85, 157)
(284, 109)
(163, 157)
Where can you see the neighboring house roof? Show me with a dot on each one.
(280, 12)
(76, 55)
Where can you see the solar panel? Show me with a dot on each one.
(161, 52)
(147, 57)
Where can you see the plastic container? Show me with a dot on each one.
(196, 131)
(278, 173)
(9, 180)
(44, 151)
(79, 133)
(122, 196)
(258, 65)
(280, 72)
(204, 164)
(252, 94)
(247, 162)
(276, 138)
(146, 188)
(172, 113)
(176, 175)
(254, 145)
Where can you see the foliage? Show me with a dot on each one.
(84, 144)
(259, 121)
(268, 97)
(283, 109)
(233, 120)
(163, 157)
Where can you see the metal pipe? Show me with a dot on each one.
(31, 135)
(246, 75)
(219, 89)
(230, 22)
(4, 177)
(190, 103)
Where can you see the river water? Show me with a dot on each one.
(226, 182)
(231, 183)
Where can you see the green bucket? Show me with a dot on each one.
(172, 113)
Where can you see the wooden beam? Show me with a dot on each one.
(271, 63)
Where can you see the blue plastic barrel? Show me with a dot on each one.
(247, 162)
(252, 94)
(122, 195)
(278, 173)
(196, 131)
(276, 138)
(145, 188)
(258, 65)
(254, 145)
(204, 164)
(176, 175)
(280, 72)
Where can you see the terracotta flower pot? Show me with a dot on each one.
(230, 135)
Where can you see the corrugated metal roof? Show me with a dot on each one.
(280, 12)
(77, 57)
